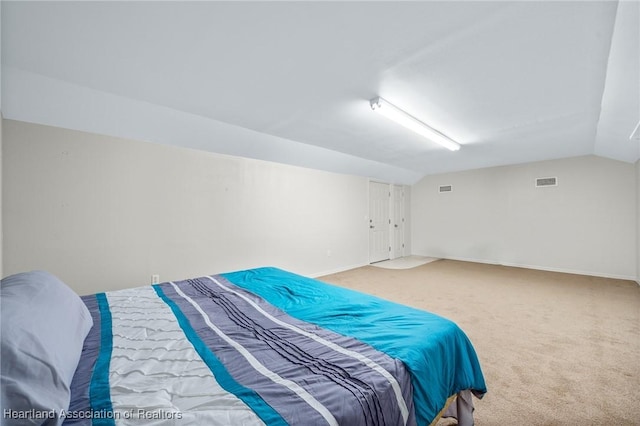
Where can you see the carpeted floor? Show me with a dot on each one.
(404, 262)
(556, 349)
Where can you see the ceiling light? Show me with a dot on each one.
(399, 116)
(636, 132)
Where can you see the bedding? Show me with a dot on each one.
(265, 346)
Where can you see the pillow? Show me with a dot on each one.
(44, 324)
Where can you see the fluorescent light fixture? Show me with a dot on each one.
(636, 132)
(399, 116)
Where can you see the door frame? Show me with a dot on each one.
(391, 220)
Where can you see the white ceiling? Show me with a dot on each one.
(511, 81)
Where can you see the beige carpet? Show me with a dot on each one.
(406, 262)
(556, 349)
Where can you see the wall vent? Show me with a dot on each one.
(546, 181)
(445, 188)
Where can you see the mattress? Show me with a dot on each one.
(266, 346)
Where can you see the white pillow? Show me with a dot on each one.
(44, 324)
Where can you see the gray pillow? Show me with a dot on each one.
(44, 324)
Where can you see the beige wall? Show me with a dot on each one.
(105, 213)
(496, 215)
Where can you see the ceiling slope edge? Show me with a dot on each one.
(620, 106)
(32, 97)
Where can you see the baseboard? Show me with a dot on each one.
(539, 268)
(571, 271)
(336, 270)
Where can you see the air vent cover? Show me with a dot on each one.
(546, 181)
(445, 188)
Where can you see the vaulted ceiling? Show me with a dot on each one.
(511, 81)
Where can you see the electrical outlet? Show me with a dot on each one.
(155, 279)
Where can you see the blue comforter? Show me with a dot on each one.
(265, 346)
(437, 353)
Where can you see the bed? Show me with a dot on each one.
(261, 346)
